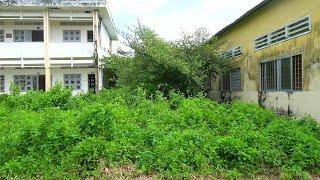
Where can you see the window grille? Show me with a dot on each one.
(26, 82)
(236, 80)
(299, 27)
(2, 83)
(78, 23)
(297, 72)
(278, 35)
(271, 75)
(289, 31)
(282, 74)
(285, 73)
(226, 82)
(237, 51)
(71, 36)
(231, 81)
(233, 53)
(28, 23)
(72, 81)
(1, 35)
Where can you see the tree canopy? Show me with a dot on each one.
(186, 65)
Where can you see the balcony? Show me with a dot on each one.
(21, 54)
(22, 50)
(71, 54)
(54, 3)
(31, 54)
(70, 49)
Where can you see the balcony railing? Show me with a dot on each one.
(54, 3)
(31, 54)
(71, 49)
(22, 50)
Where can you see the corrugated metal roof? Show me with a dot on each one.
(251, 11)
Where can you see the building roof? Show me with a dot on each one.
(54, 3)
(244, 16)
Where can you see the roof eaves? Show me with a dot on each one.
(244, 16)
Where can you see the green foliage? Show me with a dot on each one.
(53, 135)
(186, 65)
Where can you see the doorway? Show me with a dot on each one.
(42, 82)
(92, 82)
(37, 36)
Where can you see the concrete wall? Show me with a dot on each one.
(274, 16)
(105, 42)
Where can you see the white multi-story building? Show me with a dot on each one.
(44, 42)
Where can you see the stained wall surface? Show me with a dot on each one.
(273, 16)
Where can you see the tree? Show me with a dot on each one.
(186, 65)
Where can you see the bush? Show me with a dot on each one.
(53, 135)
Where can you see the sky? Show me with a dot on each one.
(169, 18)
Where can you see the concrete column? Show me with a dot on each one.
(46, 34)
(96, 41)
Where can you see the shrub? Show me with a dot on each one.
(52, 135)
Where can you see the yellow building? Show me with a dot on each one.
(276, 46)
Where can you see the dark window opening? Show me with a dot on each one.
(286, 74)
(37, 36)
(226, 82)
(90, 36)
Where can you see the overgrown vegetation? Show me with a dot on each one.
(52, 135)
(187, 65)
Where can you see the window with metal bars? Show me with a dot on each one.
(283, 74)
(231, 81)
(297, 72)
(1, 35)
(1, 83)
(235, 78)
(225, 82)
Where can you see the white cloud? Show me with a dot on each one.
(169, 21)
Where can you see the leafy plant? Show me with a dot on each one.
(54, 135)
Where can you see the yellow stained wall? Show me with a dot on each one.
(273, 16)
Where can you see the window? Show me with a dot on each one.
(28, 23)
(79, 23)
(233, 53)
(28, 36)
(26, 82)
(22, 35)
(235, 80)
(1, 83)
(231, 81)
(283, 74)
(226, 82)
(90, 36)
(71, 36)
(1, 36)
(289, 31)
(297, 73)
(72, 81)
(271, 75)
